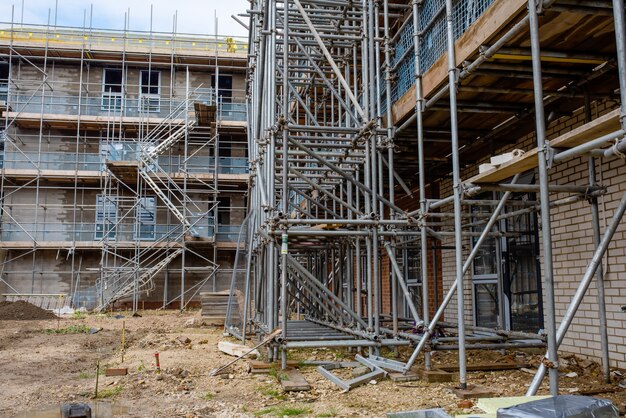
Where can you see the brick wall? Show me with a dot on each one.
(435, 288)
(572, 246)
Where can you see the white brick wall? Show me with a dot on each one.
(572, 247)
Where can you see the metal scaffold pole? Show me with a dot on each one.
(544, 197)
(350, 231)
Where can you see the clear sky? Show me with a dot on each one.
(194, 16)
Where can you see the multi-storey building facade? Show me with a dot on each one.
(124, 165)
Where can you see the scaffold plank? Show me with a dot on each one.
(601, 126)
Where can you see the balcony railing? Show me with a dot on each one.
(96, 162)
(123, 232)
(100, 39)
(52, 161)
(111, 105)
(227, 233)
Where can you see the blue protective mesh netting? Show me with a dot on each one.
(432, 20)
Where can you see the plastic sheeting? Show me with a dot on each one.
(564, 406)
(422, 413)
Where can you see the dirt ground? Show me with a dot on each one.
(44, 363)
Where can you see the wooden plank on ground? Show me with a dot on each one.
(116, 372)
(269, 337)
(260, 366)
(485, 367)
(293, 381)
(435, 376)
(236, 350)
(473, 392)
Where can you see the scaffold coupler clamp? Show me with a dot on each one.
(616, 150)
(549, 154)
(421, 219)
(281, 123)
(549, 363)
(463, 189)
(368, 130)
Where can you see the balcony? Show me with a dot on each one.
(227, 233)
(95, 163)
(103, 108)
(91, 235)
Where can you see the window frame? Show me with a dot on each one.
(108, 230)
(149, 97)
(139, 223)
(109, 96)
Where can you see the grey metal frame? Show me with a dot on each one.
(321, 145)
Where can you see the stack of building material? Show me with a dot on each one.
(215, 308)
(498, 160)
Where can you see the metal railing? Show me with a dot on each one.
(96, 162)
(99, 39)
(113, 105)
(124, 232)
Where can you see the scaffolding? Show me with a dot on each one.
(350, 130)
(123, 180)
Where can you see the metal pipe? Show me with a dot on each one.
(584, 284)
(595, 224)
(405, 289)
(284, 251)
(500, 346)
(453, 288)
(620, 44)
(419, 108)
(600, 142)
(458, 192)
(546, 232)
(349, 343)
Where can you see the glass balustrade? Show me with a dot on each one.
(112, 105)
(123, 232)
(129, 152)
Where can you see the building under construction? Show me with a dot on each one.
(428, 174)
(124, 164)
(439, 174)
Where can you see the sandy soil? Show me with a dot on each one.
(40, 369)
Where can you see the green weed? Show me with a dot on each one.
(72, 329)
(271, 392)
(283, 411)
(79, 315)
(109, 393)
(91, 375)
